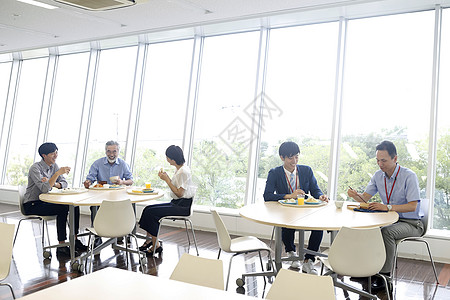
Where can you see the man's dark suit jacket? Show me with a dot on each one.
(277, 186)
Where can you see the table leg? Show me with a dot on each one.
(72, 232)
(333, 234)
(278, 249)
(301, 244)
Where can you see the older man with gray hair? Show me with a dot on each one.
(106, 167)
(109, 166)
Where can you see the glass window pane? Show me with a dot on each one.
(441, 219)
(26, 120)
(386, 95)
(112, 101)
(163, 109)
(67, 107)
(5, 74)
(227, 86)
(300, 87)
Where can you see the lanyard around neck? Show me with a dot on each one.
(289, 182)
(388, 197)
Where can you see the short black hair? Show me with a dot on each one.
(387, 146)
(47, 148)
(175, 153)
(288, 149)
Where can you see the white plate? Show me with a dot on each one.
(131, 192)
(108, 188)
(68, 191)
(283, 202)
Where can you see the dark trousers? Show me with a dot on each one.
(41, 208)
(287, 235)
(153, 213)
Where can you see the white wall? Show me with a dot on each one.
(237, 225)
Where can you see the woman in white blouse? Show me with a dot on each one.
(182, 191)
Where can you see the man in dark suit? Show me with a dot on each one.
(288, 182)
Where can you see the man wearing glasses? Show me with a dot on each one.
(106, 167)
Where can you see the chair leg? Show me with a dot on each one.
(159, 230)
(187, 233)
(17, 231)
(432, 261)
(127, 253)
(386, 284)
(262, 267)
(91, 249)
(218, 256)
(139, 254)
(10, 287)
(229, 269)
(193, 236)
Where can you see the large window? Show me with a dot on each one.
(299, 98)
(441, 218)
(163, 109)
(5, 73)
(67, 107)
(387, 88)
(26, 120)
(227, 87)
(112, 101)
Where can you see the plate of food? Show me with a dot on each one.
(100, 186)
(68, 191)
(312, 201)
(141, 191)
(288, 201)
(293, 202)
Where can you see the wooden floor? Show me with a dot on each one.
(30, 272)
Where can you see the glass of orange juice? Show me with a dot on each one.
(300, 200)
(148, 185)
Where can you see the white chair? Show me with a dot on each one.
(45, 249)
(186, 220)
(356, 253)
(114, 219)
(240, 245)
(290, 285)
(6, 248)
(200, 271)
(425, 207)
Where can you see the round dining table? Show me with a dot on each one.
(323, 216)
(93, 197)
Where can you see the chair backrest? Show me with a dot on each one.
(22, 189)
(294, 285)
(115, 218)
(357, 252)
(222, 233)
(6, 248)
(424, 205)
(200, 271)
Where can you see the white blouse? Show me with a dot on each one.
(183, 178)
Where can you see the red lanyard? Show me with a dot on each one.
(289, 182)
(388, 197)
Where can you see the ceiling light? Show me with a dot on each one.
(36, 3)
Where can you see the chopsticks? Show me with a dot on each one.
(358, 195)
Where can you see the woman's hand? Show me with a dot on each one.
(163, 175)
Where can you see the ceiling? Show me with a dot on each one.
(24, 26)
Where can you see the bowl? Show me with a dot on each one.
(113, 178)
(339, 204)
